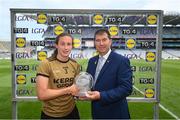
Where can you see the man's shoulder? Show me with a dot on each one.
(93, 58)
(118, 56)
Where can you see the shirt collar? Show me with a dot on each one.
(106, 55)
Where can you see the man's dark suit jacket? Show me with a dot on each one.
(114, 84)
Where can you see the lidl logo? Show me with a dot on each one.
(98, 19)
(21, 79)
(150, 56)
(130, 43)
(113, 30)
(20, 42)
(41, 18)
(152, 19)
(149, 93)
(76, 43)
(41, 55)
(58, 30)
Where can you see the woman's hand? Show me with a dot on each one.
(73, 90)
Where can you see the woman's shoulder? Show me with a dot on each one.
(72, 60)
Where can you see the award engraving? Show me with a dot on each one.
(84, 82)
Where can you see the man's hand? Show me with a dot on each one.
(93, 95)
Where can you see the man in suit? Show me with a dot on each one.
(112, 80)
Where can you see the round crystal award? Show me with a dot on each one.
(84, 82)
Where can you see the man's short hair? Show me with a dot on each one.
(102, 31)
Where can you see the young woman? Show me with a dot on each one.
(55, 82)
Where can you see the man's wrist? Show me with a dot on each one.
(98, 96)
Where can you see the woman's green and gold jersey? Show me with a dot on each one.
(61, 74)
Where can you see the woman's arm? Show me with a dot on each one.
(44, 93)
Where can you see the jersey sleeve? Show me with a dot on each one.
(43, 69)
(78, 69)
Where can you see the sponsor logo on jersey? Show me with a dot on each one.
(63, 82)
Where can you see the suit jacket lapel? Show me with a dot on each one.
(105, 67)
(94, 66)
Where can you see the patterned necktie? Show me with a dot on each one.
(99, 67)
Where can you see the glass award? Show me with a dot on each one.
(84, 82)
